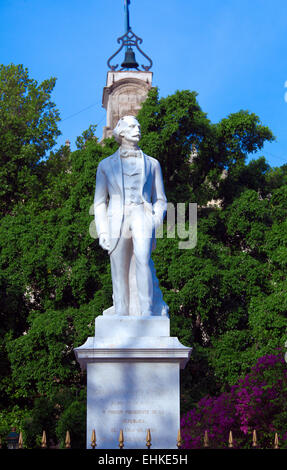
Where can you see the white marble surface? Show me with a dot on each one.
(126, 216)
(133, 369)
(134, 397)
(145, 348)
(131, 326)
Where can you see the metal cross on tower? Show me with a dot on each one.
(127, 15)
(129, 40)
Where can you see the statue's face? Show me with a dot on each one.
(132, 131)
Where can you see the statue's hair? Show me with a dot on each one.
(121, 125)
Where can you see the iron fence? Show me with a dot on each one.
(206, 443)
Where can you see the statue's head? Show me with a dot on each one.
(127, 128)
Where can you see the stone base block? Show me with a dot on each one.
(133, 369)
(130, 326)
(134, 397)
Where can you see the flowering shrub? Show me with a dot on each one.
(258, 401)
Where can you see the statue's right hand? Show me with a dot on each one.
(104, 241)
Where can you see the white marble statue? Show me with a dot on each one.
(129, 204)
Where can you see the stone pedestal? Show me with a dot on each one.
(133, 368)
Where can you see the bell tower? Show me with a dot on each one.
(126, 88)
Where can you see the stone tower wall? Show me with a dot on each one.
(123, 95)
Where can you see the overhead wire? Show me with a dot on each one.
(81, 111)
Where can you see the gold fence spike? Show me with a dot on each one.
(254, 439)
(20, 441)
(148, 439)
(44, 440)
(205, 440)
(121, 439)
(230, 440)
(179, 440)
(94, 442)
(276, 441)
(68, 440)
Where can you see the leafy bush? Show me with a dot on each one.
(257, 402)
(73, 419)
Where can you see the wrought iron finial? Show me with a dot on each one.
(254, 439)
(121, 439)
(127, 15)
(94, 440)
(44, 440)
(179, 440)
(276, 441)
(68, 440)
(129, 40)
(148, 439)
(20, 441)
(230, 440)
(205, 440)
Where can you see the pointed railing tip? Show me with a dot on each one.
(44, 440)
(230, 440)
(94, 442)
(254, 439)
(179, 440)
(276, 441)
(121, 439)
(20, 441)
(68, 440)
(148, 439)
(205, 440)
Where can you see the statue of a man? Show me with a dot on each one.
(129, 204)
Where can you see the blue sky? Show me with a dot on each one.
(232, 52)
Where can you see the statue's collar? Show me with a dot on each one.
(126, 153)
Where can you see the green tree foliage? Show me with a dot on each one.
(28, 129)
(171, 128)
(227, 296)
(41, 418)
(74, 418)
